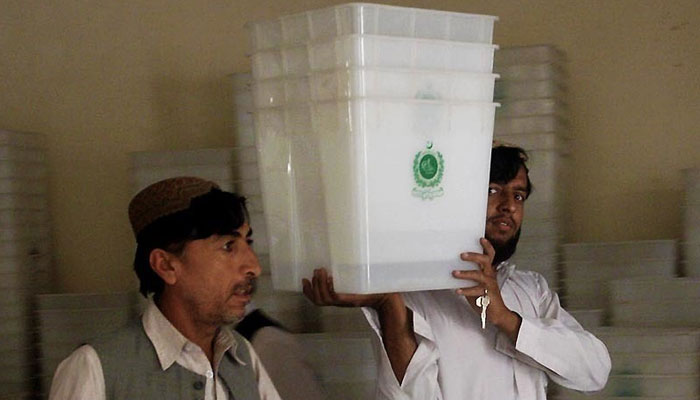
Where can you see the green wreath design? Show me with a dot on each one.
(418, 177)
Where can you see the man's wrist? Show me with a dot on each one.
(509, 323)
(389, 303)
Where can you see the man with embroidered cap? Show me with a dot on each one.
(435, 344)
(194, 257)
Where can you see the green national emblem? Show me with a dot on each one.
(428, 169)
(428, 166)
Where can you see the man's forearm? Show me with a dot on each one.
(509, 323)
(397, 333)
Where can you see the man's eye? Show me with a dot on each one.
(519, 197)
(228, 246)
(492, 191)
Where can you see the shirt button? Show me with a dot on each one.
(209, 374)
(198, 385)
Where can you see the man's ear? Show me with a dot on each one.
(162, 264)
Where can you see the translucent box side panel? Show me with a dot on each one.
(373, 51)
(430, 85)
(347, 83)
(376, 19)
(386, 231)
(396, 52)
(292, 196)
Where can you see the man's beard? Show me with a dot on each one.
(504, 250)
(249, 286)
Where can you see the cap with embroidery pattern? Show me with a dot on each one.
(164, 198)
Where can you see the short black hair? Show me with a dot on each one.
(505, 164)
(214, 213)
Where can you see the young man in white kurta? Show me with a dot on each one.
(433, 344)
(455, 359)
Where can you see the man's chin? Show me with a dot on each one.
(233, 316)
(497, 242)
(505, 248)
(232, 319)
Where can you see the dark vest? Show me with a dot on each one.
(132, 371)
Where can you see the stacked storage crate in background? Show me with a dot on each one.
(647, 363)
(531, 90)
(232, 168)
(634, 286)
(67, 321)
(243, 109)
(655, 302)
(653, 337)
(24, 256)
(690, 244)
(344, 99)
(588, 268)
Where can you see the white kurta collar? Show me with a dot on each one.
(169, 343)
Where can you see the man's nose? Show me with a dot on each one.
(251, 264)
(507, 203)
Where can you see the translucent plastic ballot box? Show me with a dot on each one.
(384, 193)
(369, 19)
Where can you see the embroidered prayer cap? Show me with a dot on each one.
(164, 198)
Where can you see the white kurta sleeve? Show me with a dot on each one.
(79, 377)
(555, 342)
(421, 379)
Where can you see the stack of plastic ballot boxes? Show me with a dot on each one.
(690, 245)
(647, 363)
(654, 338)
(589, 269)
(373, 126)
(24, 255)
(531, 90)
(67, 321)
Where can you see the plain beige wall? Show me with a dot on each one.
(103, 78)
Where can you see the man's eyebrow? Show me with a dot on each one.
(237, 234)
